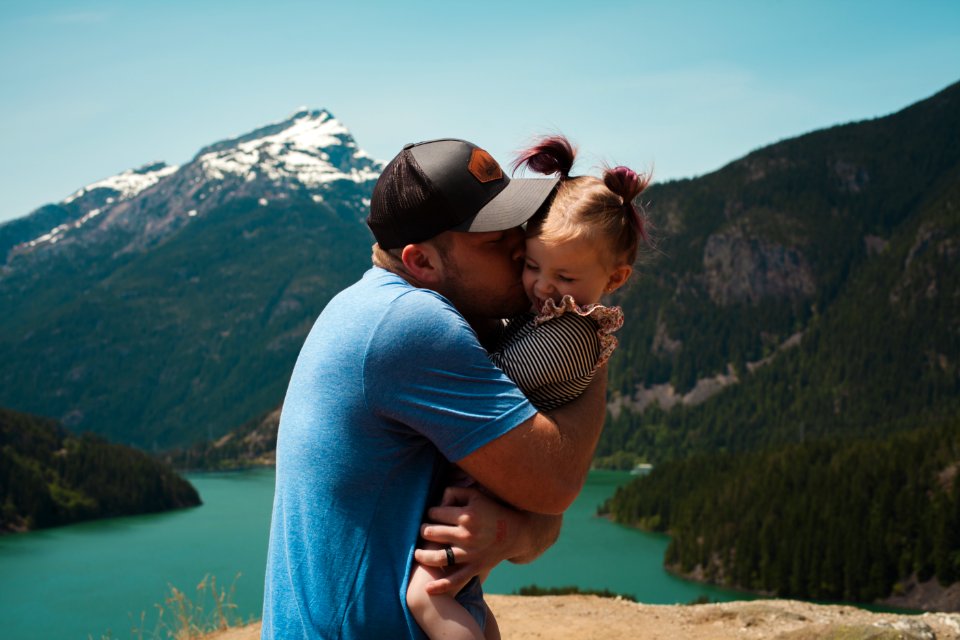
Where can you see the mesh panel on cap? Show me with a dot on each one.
(404, 207)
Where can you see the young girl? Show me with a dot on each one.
(583, 248)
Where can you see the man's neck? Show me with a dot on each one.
(393, 264)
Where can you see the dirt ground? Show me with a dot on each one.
(594, 618)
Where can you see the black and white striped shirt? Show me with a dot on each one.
(552, 362)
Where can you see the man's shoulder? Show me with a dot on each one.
(380, 284)
(391, 291)
(396, 310)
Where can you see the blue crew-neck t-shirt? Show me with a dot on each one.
(390, 381)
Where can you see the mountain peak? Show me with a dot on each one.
(303, 111)
(309, 153)
(300, 121)
(311, 147)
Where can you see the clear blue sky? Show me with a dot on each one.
(91, 88)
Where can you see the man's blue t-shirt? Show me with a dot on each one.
(390, 379)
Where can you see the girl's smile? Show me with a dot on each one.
(570, 268)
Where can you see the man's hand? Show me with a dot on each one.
(481, 533)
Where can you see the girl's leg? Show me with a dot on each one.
(441, 617)
(491, 630)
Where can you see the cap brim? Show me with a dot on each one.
(513, 206)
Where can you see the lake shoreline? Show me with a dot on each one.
(916, 597)
(51, 591)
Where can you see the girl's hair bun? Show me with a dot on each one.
(552, 155)
(626, 183)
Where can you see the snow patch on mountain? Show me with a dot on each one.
(53, 236)
(130, 182)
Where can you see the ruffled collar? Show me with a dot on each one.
(608, 320)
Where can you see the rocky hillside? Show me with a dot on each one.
(814, 282)
(250, 445)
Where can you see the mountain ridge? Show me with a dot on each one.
(751, 256)
(312, 141)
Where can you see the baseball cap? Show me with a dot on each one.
(449, 185)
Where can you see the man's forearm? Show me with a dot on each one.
(541, 465)
(580, 422)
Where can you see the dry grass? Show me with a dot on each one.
(189, 619)
(181, 617)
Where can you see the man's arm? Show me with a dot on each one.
(541, 465)
(482, 533)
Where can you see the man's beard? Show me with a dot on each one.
(481, 305)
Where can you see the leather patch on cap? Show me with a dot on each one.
(483, 167)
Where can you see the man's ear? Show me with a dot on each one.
(422, 261)
(618, 277)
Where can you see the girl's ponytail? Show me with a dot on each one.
(552, 155)
(626, 183)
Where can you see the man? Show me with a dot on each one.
(392, 381)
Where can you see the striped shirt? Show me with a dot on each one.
(552, 362)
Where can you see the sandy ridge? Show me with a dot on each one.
(590, 617)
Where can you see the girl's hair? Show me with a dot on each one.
(601, 210)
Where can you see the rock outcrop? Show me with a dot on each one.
(738, 267)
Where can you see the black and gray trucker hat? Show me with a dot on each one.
(449, 185)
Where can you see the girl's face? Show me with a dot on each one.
(571, 268)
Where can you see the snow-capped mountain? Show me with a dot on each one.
(169, 302)
(310, 153)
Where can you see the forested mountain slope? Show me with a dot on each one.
(855, 519)
(50, 477)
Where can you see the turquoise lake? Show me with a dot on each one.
(96, 580)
